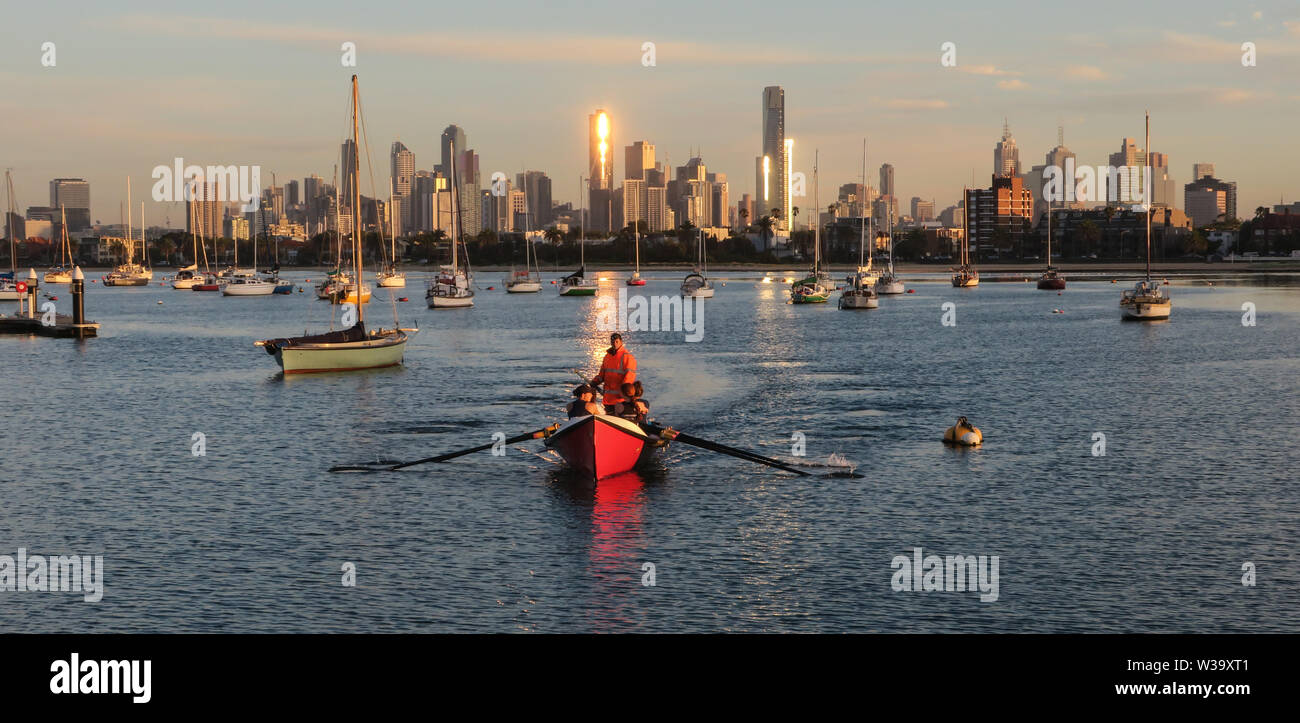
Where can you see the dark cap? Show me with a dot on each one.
(615, 335)
(582, 389)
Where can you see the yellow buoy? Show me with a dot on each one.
(963, 434)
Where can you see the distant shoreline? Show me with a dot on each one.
(1100, 268)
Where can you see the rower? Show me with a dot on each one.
(619, 366)
(584, 403)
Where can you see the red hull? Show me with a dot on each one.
(636, 282)
(599, 447)
(1051, 284)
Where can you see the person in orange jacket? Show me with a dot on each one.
(618, 368)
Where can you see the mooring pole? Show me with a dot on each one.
(31, 294)
(78, 300)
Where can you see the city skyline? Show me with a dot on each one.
(935, 125)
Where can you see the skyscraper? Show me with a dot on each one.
(402, 162)
(536, 186)
(73, 194)
(291, 193)
(1127, 187)
(600, 169)
(640, 157)
(1006, 157)
(451, 134)
(886, 180)
(470, 220)
(349, 158)
(1202, 170)
(1207, 198)
(771, 182)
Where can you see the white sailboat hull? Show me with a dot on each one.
(889, 287)
(441, 301)
(58, 277)
(702, 292)
(260, 288)
(1143, 311)
(859, 301)
(524, 287)
(186, 283)
(396, 281)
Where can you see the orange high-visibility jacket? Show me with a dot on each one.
(616, 370)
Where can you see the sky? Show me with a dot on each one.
(138, 84)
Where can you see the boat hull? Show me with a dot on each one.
(890, 287)
(134, 281)
(601, 446)
(964, 283)
(523, 287)
(186, 284)
(53, 277)
(446, 301)
(856, 301)
(1051, 284)
(259, 289)
(578, 291)
(1146, 311)
(343, 357)
(392, 282)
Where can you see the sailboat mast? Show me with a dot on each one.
(965, 223)
(356, 201)
(130, 237)
(862, 239)
(817, 226)
(455, 206)
(1146, 177)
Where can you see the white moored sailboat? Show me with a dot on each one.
(1147, 300)
(62, 274)
(816, 288)
(349, 349)
(697, 283)
(451, 289)
(9, 279)
(888, 282)
(529, 280)
(577, 283)
(247, 283)
(389, 277)
(861, 291)
(966, 276)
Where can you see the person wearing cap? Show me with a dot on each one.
(584, 402)
(618, 368)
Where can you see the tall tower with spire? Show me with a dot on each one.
(1006, 157)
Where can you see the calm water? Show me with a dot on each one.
(1200, 414)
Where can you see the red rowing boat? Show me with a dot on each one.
(602, 445)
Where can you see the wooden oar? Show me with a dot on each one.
(450, 455)
(672, 434)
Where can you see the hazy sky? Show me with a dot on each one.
(139, 83)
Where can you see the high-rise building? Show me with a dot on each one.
(429, 194)
(600, 170)
(1001, 215)
(452, 134)
(1064, 159)
(291, 194)
(402, 169)
(1125, 186)
(745, 211)
(350, 157)
(205, 213)
(658, 214)
(1163, 188)
(1205, 199)
(536, 186)
(887, 180)
(640, 157)
(73, 194)
(470, 220)
(1006, 157)
(771, 180)
(1202, 170)
(922, 210)
(721, 200)
(633, 197)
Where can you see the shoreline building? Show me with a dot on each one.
(1000, 214)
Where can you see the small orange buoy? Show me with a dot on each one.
(492, 288)
(402, 298)
(911, 291)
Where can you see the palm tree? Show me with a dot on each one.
(554, 235)
(118, 247)
(765, 226)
